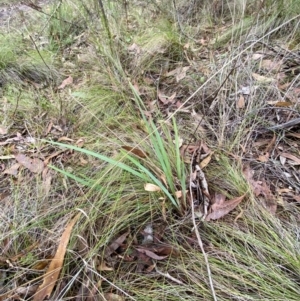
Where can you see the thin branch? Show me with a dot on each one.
(200, 243)
(35, 46)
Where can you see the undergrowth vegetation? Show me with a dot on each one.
(150, 150)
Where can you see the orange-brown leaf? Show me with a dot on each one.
(241, 102)
(136, 151)
(66, 82)
(51, 276)
(206, 160)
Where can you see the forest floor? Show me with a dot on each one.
(149, 150)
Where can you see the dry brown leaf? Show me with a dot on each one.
(221, 208)
(164, 179)
(182, 73)
(49, 127)
(13, 170)
(35, 165)
(104, 267)
(151, 254)
(41, 265)
(80, 142)
(271, 65)
(257, 56)
(65, 139)
(136, 151)
(151, 187)
(269, 199)
(271, 144)
(255, 185)
(296, 135)
(262, 79)
(66, 82)
(179, 194)
(264, 158)
(82, 161)
(283, 104)
(261, 188)
(166, 99)
(206, 161)
(51, 276)
(291, 157)
(46, 161)
(116, 244)
(241, 102)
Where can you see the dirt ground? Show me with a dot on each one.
(14, 11)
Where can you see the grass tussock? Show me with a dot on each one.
(144, 81)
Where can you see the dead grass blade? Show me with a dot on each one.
(51, 276)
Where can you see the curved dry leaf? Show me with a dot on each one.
(283, 104)
(136, 151)
(206, 160)
(151, 187)
(13, 170)
(35, 165)
(116, 244)
(220, 210)
(264, 158)
(51, 276)
(66, 82)
(151, 254)
(262, 79)
(291, 157)
(182, 74)
(104, 267)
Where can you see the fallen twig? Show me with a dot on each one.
(200, 243)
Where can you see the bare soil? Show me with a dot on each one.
(13, 12)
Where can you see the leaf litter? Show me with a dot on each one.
(214, 206)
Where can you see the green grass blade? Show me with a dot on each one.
(155, 180)
(101, 157)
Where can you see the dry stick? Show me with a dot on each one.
(167, 275)
(200, 243)
(285, 125)
(36, 48)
